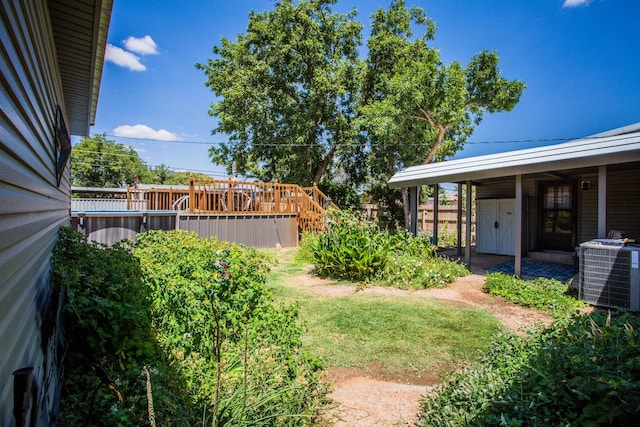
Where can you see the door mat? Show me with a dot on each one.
(549, 270)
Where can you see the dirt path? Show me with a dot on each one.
(367, 397)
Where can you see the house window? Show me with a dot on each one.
(62, 142)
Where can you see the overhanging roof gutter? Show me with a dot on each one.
(617, 146)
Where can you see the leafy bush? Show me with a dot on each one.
(404, 243)
(416, 272)
(581, 371)
(305, 248)
(355, 249)
(352, 248)
(543, 294)
(240, 354)
(197, 314)
(107, 327)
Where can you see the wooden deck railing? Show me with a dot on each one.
(319, 197)
(231, 197)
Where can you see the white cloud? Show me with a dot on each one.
(123, 58)
(144, 45)
(575, 3)
(145, 132)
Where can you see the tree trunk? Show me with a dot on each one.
(322, 167)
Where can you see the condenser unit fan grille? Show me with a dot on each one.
(605, 276)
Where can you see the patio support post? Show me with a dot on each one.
(518, 245)
(192, 194)
(467, 246)
(459, 223)
(436, 202)
(602, 202)
(413, 209)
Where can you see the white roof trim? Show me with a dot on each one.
(620, 145)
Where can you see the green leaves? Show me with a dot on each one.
(239, 352)
(543, 294)
(580, 371)
(416, 108)
(352, 248)
(195, 311)
(287, 91)
(355, 249)
(107, 330)
(99, 162)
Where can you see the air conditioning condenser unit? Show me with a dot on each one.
(609, 274)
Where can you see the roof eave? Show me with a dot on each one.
(621, 147)
(80, 30)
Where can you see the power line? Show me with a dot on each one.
(275, 144)
(105, 162)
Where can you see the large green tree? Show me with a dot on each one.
(298, 104)
(99, 162)
(287, 91)
(417, 109)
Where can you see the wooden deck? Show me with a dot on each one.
(241, 198)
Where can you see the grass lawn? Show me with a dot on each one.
(399, 332)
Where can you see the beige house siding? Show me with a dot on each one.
(623, 201)
(32, 207)
(588, 209)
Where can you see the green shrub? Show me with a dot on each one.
(355, 249)
(404, 243)
(107, 328)
(197, 314)
(418, 272)
(351, 249)
(580, 371)
(239, 353)
(305, 248)
(543, 294)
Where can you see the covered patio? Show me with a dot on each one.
(540, 200)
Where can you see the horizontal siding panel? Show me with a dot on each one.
(16, 227)
(22, 308)
(32, 208)
(14, 175)
(15, 258)
(623, 202)
(26, 202)
(29, 95)
(22, 152)
(14, 126)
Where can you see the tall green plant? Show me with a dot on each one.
(239, 353)
(352, 248)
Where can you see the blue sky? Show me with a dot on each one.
(579, 59)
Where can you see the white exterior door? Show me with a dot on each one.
(495, 226)
(486, 235)
(506, 227)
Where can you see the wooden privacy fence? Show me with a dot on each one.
(231, 197)
(447, 218)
